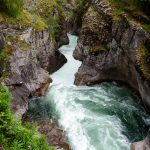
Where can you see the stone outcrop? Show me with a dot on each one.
(31, 44)
(30, 55)
(114, 48)
(110, 49)
(55, 136)
(33, 56)
(74, 13)
(142, 145)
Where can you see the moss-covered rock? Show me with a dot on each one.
(109, 45)
(143, 57)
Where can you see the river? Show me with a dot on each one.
(101, 117)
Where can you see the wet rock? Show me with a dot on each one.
(108, 47)
(1, 147)
(29, 65)
(55, 136)
(56, 61)
(142, 145)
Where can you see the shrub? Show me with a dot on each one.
(11, 7)
(54, 26)
(14, 135)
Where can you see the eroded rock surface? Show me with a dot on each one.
(142, 145)
(56, 137)
(110, 49)
(32, 58)
(114, 48)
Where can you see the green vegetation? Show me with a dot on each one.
(97, 49)
(47, 7)
(133, 3)
(147, 27)
(81, 5)
(118, 11)
(47, 10)
(54, 27)
(11, 7)
(3, 56)
(142, 54)
(41, 17)
(133, 8)
(14, 135)
(39, 23)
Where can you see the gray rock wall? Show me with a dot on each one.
(107, 47)
(29, 65)
(114, 48)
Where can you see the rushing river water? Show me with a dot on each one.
(101, 117)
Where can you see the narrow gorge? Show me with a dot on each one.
(78, 72)
(105, 116)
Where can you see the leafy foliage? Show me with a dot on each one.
(11, 7)
(14, 135)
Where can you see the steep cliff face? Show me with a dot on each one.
(31, 46)
(74, 12)
(34, 54)
(113, 47)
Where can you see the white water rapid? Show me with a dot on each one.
(101, 117)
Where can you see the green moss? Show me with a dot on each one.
(9, 46)
(94, 22)
(97, 49)
(23, 20)
(3, 56)
(14, 135)
(2, 18)
(54, 26)
(130, 7)
(23, 46)
(46, 8)
(118, 11)
(71, 16)
(11, 7)
(147, 27)
(127, 3)
(142, 54)
(39, 24)
(6, 52)
(40, 18)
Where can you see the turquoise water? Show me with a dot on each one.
(101, 117)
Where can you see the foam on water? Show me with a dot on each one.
(65, 75)
(86, 129)
(102, 117)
